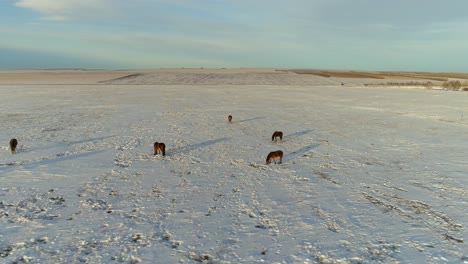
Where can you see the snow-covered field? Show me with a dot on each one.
(370, 175)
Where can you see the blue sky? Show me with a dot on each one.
(414, 35)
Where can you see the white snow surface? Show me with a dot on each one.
(369, 175)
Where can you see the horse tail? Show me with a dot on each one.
(155, 146)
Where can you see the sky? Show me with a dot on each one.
(416, 35)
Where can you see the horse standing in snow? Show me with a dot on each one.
(277, 134)
(273, 156)
(13, 144)
(159, 148)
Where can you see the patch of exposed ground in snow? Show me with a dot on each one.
(190, 78)
(369, 175)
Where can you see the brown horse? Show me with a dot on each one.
(159, 147)
(273, 156)
(13, 144)
(277, 134)
(230, 118)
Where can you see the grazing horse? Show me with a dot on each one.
(277, 134)
(273, 156)
(230, 118)
(159, 147)
(13, 144)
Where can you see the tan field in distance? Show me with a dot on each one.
(228, 76)
(436, 76)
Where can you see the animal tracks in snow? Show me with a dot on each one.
(353, 188)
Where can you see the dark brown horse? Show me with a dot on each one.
(277, 134)
(159, 148)
(230, 118)
(273, 156)
(13, 144)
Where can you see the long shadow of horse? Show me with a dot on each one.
(67, 143)
(197, 146)
(49, 160)
(251, 119)
(88, 140)
(61, 157)
(298, 134)
(299, 152)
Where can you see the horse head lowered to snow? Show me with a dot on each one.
(272, 156)
(277, 134)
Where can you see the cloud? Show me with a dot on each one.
(298, 33)
(20, 58)
(65, 9)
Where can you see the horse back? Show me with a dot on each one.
(279, 154)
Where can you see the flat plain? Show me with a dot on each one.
(369, 175)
